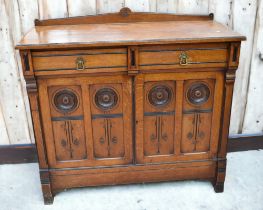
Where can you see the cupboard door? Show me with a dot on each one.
(159, 118)
(155, 119)
(67, 122)
(108, 120)
(197, 115)
(177, 116)
(87, 120)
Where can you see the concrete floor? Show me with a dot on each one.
(20, 190)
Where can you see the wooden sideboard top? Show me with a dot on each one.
(126, 28)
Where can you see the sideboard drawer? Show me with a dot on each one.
(183, 56)
(80, 61)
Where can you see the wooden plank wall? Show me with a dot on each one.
(17, 16)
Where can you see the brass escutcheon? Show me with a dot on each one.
(183, 59)
(80, 63)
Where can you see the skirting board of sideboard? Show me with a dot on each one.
(26, 153)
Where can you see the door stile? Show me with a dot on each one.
(178, 115)
(47, 126)
(128, 119)
(217, 107)
(87, 119)
(139, 109)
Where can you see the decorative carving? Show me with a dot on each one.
(76, 142)
(31, 85)
(26, 60)
(190, 135)
(63, 143)
(65, 101)
(107, 139)
(201, 135)
(102, 140)
(198, 93)
(124, 12)
(195, 135)
(160, 95)
(159, 135)
(153, 137)
(69, 142)
(106, 98)
(230, 75)
(114, 140)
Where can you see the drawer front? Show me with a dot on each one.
(183, 56)
(80, 61)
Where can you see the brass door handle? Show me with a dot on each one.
(183, 59)
(80, 63)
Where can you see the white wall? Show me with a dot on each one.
(17, 17)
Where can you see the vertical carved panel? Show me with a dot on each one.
(107, 121)
(159, 116)
(197, 116)
(67, 123)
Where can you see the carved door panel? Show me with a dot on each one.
(197, 115)
(159, 118)
(107, 121)
(62, 114)
(155, 119)
(177, 116)
(87, 121)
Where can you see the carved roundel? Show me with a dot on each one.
(160, 95)
(198, 93)
(106, 98)
(65, 100)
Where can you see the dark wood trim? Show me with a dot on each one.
(26, 153)
(245, 142)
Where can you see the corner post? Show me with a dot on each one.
(233, 62)
(32, 91)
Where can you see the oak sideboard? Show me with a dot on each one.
(130, 97)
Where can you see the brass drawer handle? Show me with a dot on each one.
(183, 59)
(80, 63)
